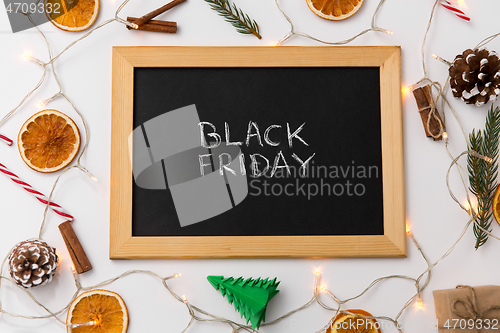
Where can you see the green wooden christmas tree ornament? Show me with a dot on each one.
(250, 296)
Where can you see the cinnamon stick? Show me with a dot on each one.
(424, 98)
(165, 23)
(155, 25)
(155, 28)
(75, 249)
(145, 18)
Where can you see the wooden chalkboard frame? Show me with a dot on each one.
(123, 245)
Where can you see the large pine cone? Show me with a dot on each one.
(475, 76)
(33, 263)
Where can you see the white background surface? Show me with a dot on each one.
(85, 71)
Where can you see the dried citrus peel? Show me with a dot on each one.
(77, 16)
(100, 311)
(347, 323)
(48, 141)
(334, 10)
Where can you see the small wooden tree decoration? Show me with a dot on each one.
(250, 296)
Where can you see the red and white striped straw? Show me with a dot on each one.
(451, 6)
(39, 196)
(6, 140)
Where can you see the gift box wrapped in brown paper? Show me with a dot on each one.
(468, 309)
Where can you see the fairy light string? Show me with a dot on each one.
(293, 32)
(445, 102)
(62, 94)
(420, 283)
(193, 310)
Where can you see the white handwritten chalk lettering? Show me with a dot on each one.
(266, 136)
(202, 164)
(214, 135)
(259, 164)
(243, 169)
(280, 165)
(256, 172)
(295, 135)
(303, 164)
(251, 125)
(276, 165)
(252, 131)
(228, 140)
(223, 166)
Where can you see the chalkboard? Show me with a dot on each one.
(256, 152)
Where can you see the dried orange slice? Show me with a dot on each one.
(72, 15)
(101, 310)
(495, 207)
(335, 10)
(345, 323)
(48, 141)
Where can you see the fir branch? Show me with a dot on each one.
(482, 174)
(238, 19)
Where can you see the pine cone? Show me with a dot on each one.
(33, 263)
(475, 76)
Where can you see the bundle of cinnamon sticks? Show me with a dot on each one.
(146, 22)
(433, 124)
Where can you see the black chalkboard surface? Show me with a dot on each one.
(342, 192)
(295, 155)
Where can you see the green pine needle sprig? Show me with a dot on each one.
(238, 19)
(483, 174)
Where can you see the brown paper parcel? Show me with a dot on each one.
(482, 304)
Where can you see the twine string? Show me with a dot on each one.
(433, 114)
(469, 310)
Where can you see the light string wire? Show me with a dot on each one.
(213, 318)
(441, 92)
(292, 31)
(60, 92)
(236, 326)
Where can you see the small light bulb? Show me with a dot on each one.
(184, 299)
(446, 62)
(60, 258)
(33, 59)
(488, 159)
(322, 289)
(389, 32)
(420, 303)
(91, 176)
(445, 135)
(408, 230)
(48, 100)
(176, 275)
(317, 273)
(276, 44)
(407, 89)
(134, 26)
